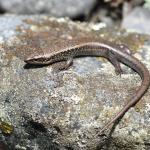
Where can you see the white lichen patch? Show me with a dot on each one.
(147, 109)
(41, 28)
(97, 26)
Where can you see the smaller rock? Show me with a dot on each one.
(58, 8)
(138, 20)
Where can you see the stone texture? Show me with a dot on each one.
(44, 109)
(54, 7)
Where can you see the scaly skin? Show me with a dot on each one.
(67, 50)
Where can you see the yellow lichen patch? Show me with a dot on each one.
(131, 38)
(6, 127)
(140, 106)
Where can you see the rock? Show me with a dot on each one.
(44, 109)
(53, 7)
(138, 20)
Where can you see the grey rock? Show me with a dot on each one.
(138, 20)
(70, 8)
(44, 109)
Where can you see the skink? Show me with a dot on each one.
(115, 53)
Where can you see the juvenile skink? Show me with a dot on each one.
(115, 53)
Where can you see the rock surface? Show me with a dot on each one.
(140, 22)
(44, 109)
(70, 8)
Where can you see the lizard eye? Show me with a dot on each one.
(40, 59)
(34, 60)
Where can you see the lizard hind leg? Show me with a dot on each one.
(112, 58)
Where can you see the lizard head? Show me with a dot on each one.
(34, 59)
(38, 59)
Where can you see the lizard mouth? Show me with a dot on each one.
(31, 61)
(28, 60)
(36, 61)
